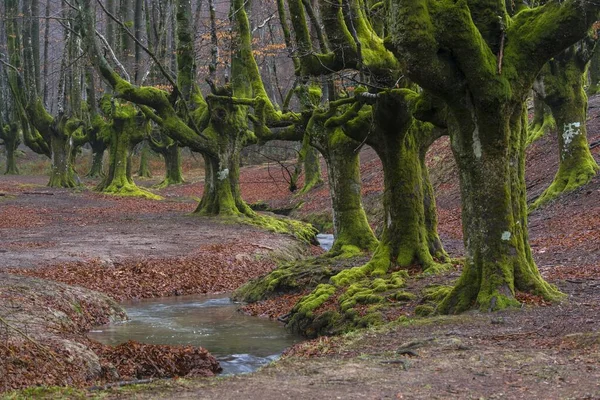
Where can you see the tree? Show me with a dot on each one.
(56, 136)
(171, 153)
(482, 63)
(563, 91)
(216, 126)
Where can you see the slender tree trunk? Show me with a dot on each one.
(11, 140)
(594, 72)
(144, 169)
(543, 121)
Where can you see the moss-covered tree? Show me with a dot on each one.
(170, 151)
(54, 135)
(122, 128)
(216, 126)
(482, 62)
(563, 91)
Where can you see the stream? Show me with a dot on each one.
(240, 342)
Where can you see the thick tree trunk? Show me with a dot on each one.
(125, 133)
(61, 172)
(489, 149)
(409, 234)
(222, 195)
(97, 162)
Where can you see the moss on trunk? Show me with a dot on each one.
(352, 232)
(543, 121)
(489, 150)
(173, 172)
(11, 140)
(564, 79)
(61, 172)
(144, 169)
(312, 167)
(125, 129)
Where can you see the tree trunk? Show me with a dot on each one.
(61, 172)
(410, 227)
(564, 80)
(126, 131)
(594, 70)
(144, 169)
(222, 187)
(312, 167)
(543, 121)
(351, 229)
(97, 169)
(10, 136)
(173, 173)
(489, 149)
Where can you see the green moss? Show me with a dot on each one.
(308, 304)
(537, 131)
(403, 296)
(436, 293)
(424, 310)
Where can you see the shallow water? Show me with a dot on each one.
(241, 343)
(325, 241)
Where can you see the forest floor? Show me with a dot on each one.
(131, 248)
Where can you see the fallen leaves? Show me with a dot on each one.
(211, 269)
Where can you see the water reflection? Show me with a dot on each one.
(240, 342)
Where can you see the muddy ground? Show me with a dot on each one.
(541, 351)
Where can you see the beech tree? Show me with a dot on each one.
(57, 136)
(562, 90)
(482, 62)
(216, 126)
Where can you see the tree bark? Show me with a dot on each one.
(564, 79)
(351, 229)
